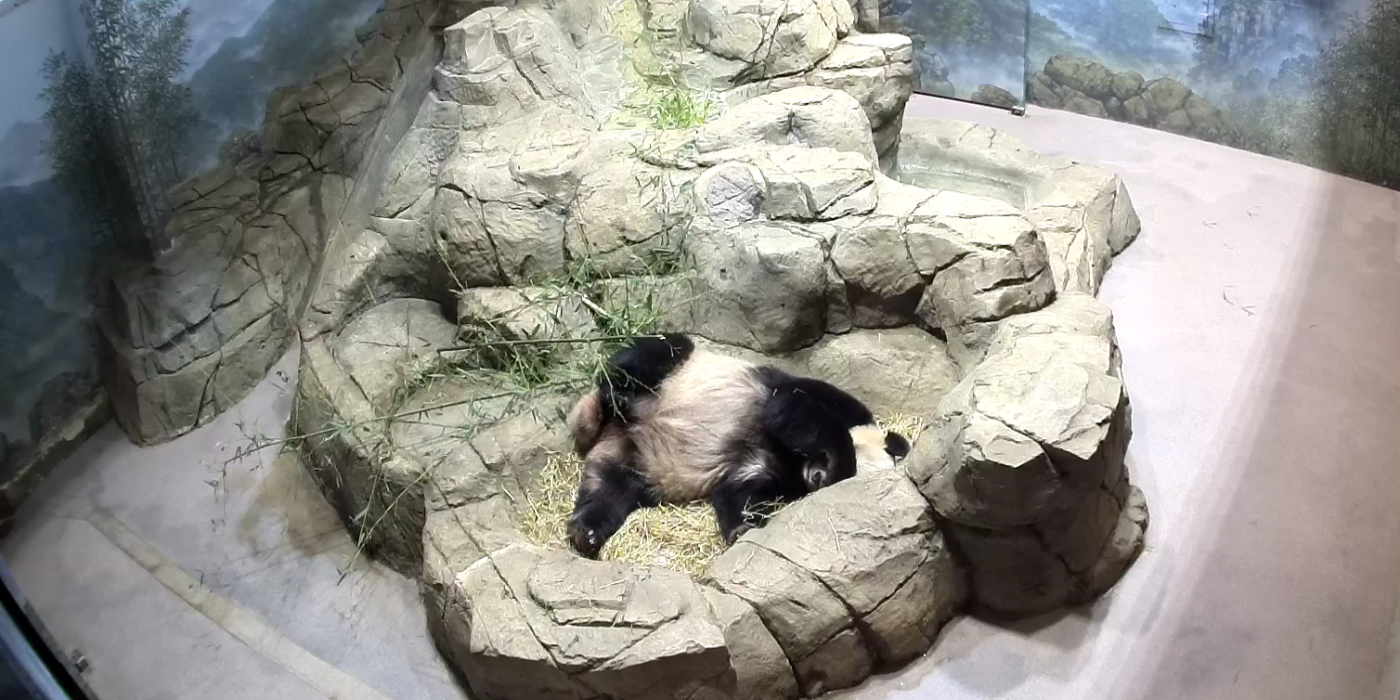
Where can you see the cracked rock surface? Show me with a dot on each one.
(1025, 462)
(191, 334)
(483, 168)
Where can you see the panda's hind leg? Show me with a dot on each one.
(639, 369)
(610, 490)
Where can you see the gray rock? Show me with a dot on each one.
(490, 228)
(877, 70)
(1079, 104)
(1040, 92)
(763, 285)
(1136, 110)
(1034, 569)
(816, 117)
(999, 459)
(994, 96)
(348, 454)
(1037, 496)
(934, 67)
(1127, 85)
(904, 370)
(381, 347)
(761, 670)
(593, 628)
(502, 63)
(1164, 96)
(835, 580)
(806, 184)
(192, 333)
(398, 257)
(1082, 75)
(881, 281)
(520, 313)
(731, 193)
(773, 36)
(986, 263)
(1207, 121)
(60, 397)
(627, 217)
(1074, 215)
(1177, 122)
(1114, 107)
(867, 14)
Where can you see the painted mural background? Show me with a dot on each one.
(1313, 81)
(86, 156)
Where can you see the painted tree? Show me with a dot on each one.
(120, 119)
(1356, 98)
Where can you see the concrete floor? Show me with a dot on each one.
(1259, 325)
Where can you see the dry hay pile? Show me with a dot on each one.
(680, 537)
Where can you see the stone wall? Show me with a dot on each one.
(188, 336)
(1082, 86)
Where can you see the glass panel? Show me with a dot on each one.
(970, 49)
(48, 361)
(1306, 80)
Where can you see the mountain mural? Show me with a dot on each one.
(39, 344)
(22, 159)
(290, 43)
(44, 247)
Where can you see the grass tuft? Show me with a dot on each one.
(678, 108)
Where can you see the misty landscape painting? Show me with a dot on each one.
(1311, 81)
(229, 55)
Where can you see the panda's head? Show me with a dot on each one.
(875, 449)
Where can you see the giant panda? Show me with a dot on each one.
(669, 423)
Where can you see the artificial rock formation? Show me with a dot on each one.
(187, 337)
(547, 170)
(1025, 462)
(1087, 87)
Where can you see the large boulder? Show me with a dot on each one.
(1025, 461)
(808, 116)
(772, 37)
(995, 96)
(898, 371)
(878, 70)
(1081, 213)
(882, 282)
(1082, 75)
(502, 63)
(986, 262)
(845, 588)
(381, 347)
(762, 286)
(526, 622)
(1164, 96)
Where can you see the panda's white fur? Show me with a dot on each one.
(682, 432)
(872, 454)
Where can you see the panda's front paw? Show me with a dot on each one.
(736, 533)
(585, 540)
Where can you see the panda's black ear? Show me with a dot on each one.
(897, 445)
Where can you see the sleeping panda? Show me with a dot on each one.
(672, 424)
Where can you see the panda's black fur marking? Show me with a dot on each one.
(669, 423)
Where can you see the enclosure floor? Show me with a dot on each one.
(1261, 339)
